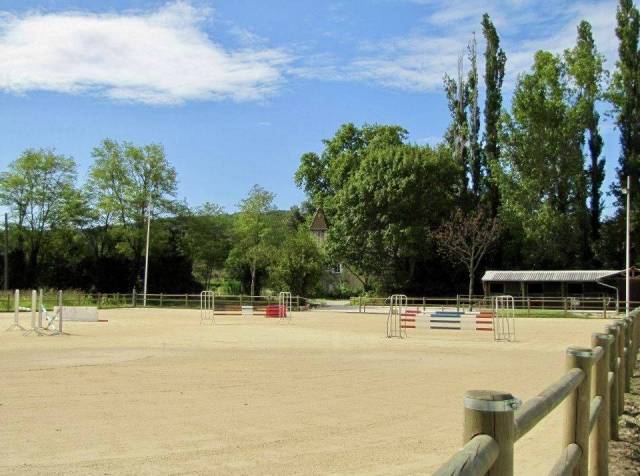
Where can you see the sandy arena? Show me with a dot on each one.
(154, 392)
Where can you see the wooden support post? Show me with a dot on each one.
(160, 299)
(576, 427)
(629, 360)
(491, 413)
(613, 330)
(622, 366)
(605, 304)
(599, 464)
(634, 340)
(133, 297)
(528, 306)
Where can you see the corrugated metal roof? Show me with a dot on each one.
(550, 276)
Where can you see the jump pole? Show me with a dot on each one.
(16, 310)
(34, 306)
(60, 312)
(40, 306)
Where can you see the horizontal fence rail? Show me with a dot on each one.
(593, 388)
(230, 303)
(531, 305)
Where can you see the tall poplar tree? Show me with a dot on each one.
(585, 66)
(457, 135)
(475, 158)
(495, 60)
(625, 91)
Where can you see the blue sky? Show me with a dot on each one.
(237, 90)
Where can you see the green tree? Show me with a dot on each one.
(209, 238)
(457, 134)
(475, 154)
(39, 188)
(322, 175)
(542, 185)
(298, 265)
(385, 210)
(495, 60)
(624, 92)
(255, 233)
(127, 182)
(585, 67)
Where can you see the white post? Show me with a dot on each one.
(146, 258)
(34, 307)
(16, 316)
(40, 306)
(60, 312)
(628, 251)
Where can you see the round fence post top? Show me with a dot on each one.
(491, 401)
(580, 351)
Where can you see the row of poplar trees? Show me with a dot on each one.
(529, 178)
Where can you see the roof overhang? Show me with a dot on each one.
(564, 276)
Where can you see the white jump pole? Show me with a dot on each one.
(40, 306)
(60, 312)
(34, 306)
(16, 312)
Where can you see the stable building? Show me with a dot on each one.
(574, 283)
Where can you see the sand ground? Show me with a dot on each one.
(154, 392)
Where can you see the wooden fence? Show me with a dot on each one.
(525, 306)
(118, 300)
(593, 386)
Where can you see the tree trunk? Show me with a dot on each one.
(253, 281)
(471, 276)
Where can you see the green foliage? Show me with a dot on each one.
(125, 183)
(495, 60)
(542, 181)
(322, 175)
(39, 189)
(457, 134)
(208, 240)
(585, 68)
(298, 264)
(623, 92)
(382, 213)
(256, 236)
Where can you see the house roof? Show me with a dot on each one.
(319, 222)
(550, 276)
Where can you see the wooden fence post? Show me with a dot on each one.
(133, 297)
(629, 360)
(576, 426)
(613, 330)
(622, 366)
(160, 299)
(634, 340)
(491, 413)
(599, 464)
